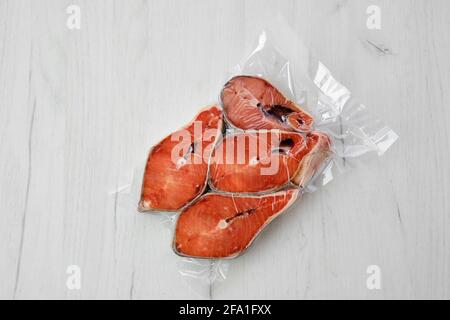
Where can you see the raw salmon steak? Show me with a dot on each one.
(252, 103)
(264, 161)
(177, 168)
(223, 226)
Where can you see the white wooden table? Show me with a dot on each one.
(80, 108)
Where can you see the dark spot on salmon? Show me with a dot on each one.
(300, 121)
(279, 112)
(287, 143)
(240, 214)
(285, 146)
(191, 148)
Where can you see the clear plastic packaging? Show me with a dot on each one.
(354, 132)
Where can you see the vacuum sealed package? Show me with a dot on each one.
(282, 127)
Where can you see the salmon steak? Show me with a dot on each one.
(224, 226)
(252, 103)
(263, 161)
(177, 168)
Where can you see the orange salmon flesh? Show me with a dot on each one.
(170, 185)
(223, 226)
(252, 103)
(259, 165)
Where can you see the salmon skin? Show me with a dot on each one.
(224, 225)
(252, 103)
(177, 168)
(318, 146)
(266, 161)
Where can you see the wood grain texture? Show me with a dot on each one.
(80, 108)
